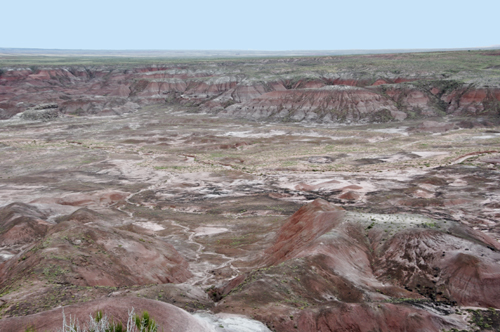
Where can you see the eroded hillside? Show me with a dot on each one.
(345, 89)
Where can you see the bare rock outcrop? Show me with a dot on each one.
(328, 104)
(452, 267)
(41, 112)
(302, 229)
(93, 255)
(21, 224)
(336, 270)
(261, 93)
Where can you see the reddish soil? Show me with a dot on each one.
(91, 255)
(110, 91)
(334, 268)
(21, 224)
(167, 317)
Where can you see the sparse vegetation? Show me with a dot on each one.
(100, 322)
(482, 320)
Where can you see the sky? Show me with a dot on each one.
(272, 25)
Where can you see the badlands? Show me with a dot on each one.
(336, 193)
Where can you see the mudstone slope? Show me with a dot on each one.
(331, 89)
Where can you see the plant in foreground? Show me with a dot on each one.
(102, 323)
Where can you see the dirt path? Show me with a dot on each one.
(200, 267)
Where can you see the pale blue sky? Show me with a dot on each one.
(248, 25)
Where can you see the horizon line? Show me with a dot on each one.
(248, 50)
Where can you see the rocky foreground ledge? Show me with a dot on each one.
(167, 316)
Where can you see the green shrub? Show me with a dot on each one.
(101, 323)
(30, 328)
(145, 323)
